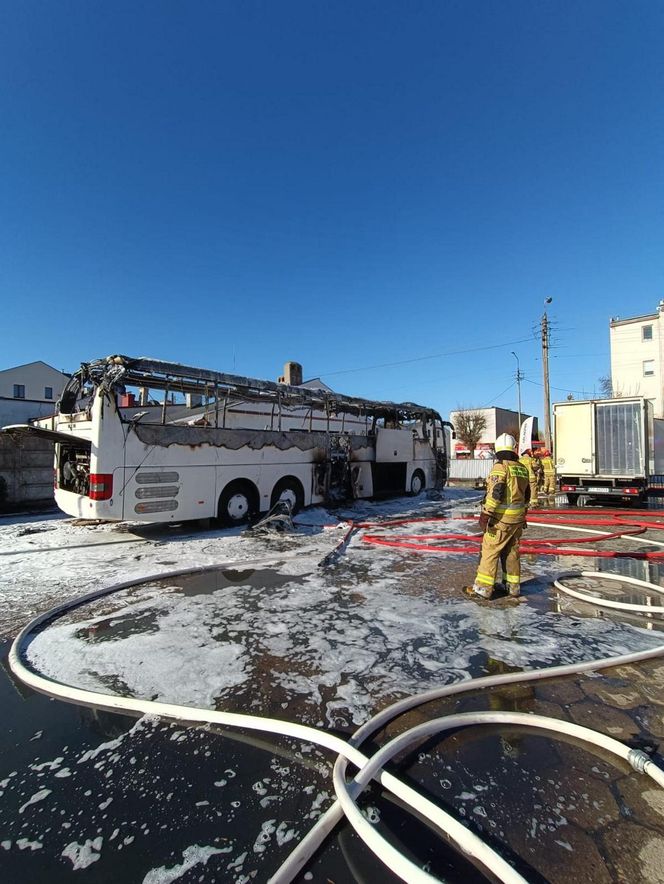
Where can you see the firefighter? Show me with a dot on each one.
(532, 464)
(549, 473)
(502, 520)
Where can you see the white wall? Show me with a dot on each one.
(496, 420)
(629, 351)
(17, 411)
(35, 377)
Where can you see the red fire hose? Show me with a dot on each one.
(634, 522)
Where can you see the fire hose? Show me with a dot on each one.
(463, 544)
(470, 845)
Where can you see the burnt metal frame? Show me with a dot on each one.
(118, 371)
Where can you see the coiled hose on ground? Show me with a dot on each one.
(470, 845)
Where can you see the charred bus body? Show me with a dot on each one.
(142, 439)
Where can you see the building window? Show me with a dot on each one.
(48, 392)
(646, 333)
(19, 391)
(649, 368)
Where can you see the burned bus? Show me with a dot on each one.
(153, 441)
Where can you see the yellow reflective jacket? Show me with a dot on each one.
(532, 465)
(547, 466)
(507, 492)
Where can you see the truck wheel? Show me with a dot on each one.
(237, 502)
(572, 499)
(290, 490)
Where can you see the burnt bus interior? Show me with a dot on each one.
(73, 469)
(154, 392)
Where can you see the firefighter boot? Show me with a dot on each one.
(484, 592)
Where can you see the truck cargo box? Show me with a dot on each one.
(607, 448)
(620, 438)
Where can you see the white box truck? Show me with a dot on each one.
(607, 448)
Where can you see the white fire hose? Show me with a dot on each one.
(470, 845)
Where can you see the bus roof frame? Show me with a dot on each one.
(122, 371)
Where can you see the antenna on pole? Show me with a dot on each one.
(545, 366)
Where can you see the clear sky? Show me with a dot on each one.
(384, 189)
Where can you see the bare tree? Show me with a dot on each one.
(469, 424)
(605, 386)
(608, 390)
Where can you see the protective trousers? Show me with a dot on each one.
(549, 485)
(500, 544)
(533, 491)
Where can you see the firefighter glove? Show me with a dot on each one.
(484, 521)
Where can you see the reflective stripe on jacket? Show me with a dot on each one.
(508, 492)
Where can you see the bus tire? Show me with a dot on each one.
(238, 501)
(289, 489)
(417, 483)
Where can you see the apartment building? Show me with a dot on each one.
(29, 391)
(637, 357)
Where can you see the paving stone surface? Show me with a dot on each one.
(563, 855)
(618, 693)
(635, 853)
(651, 720)
(582, 800)
(653, 693)
(592, 764)
(642, 800)
(550, 709)
(564, 691)
(604, 718)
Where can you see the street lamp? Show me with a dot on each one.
(518, 384)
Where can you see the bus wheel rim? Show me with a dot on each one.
(288, 496)
(237, 506)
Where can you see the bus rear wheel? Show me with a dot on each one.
(289, 490)
(237, 502)
(417, 482)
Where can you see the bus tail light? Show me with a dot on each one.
(101, 486)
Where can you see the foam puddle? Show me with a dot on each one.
(328, 650)
(322, 648)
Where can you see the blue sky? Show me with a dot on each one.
(355, 185)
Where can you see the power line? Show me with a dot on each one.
(562, 389)
(321, 374)
(496, 398)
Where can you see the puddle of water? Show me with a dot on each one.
(141, 792)
(327, 649)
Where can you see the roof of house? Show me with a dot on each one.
(36, 362)
(646, 316)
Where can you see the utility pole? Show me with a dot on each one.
(519, 378)
(545, 367)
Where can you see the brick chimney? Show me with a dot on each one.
(292, 374)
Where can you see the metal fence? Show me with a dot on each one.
(26, 470)
(470, 469)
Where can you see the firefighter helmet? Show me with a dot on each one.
(505, 442)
